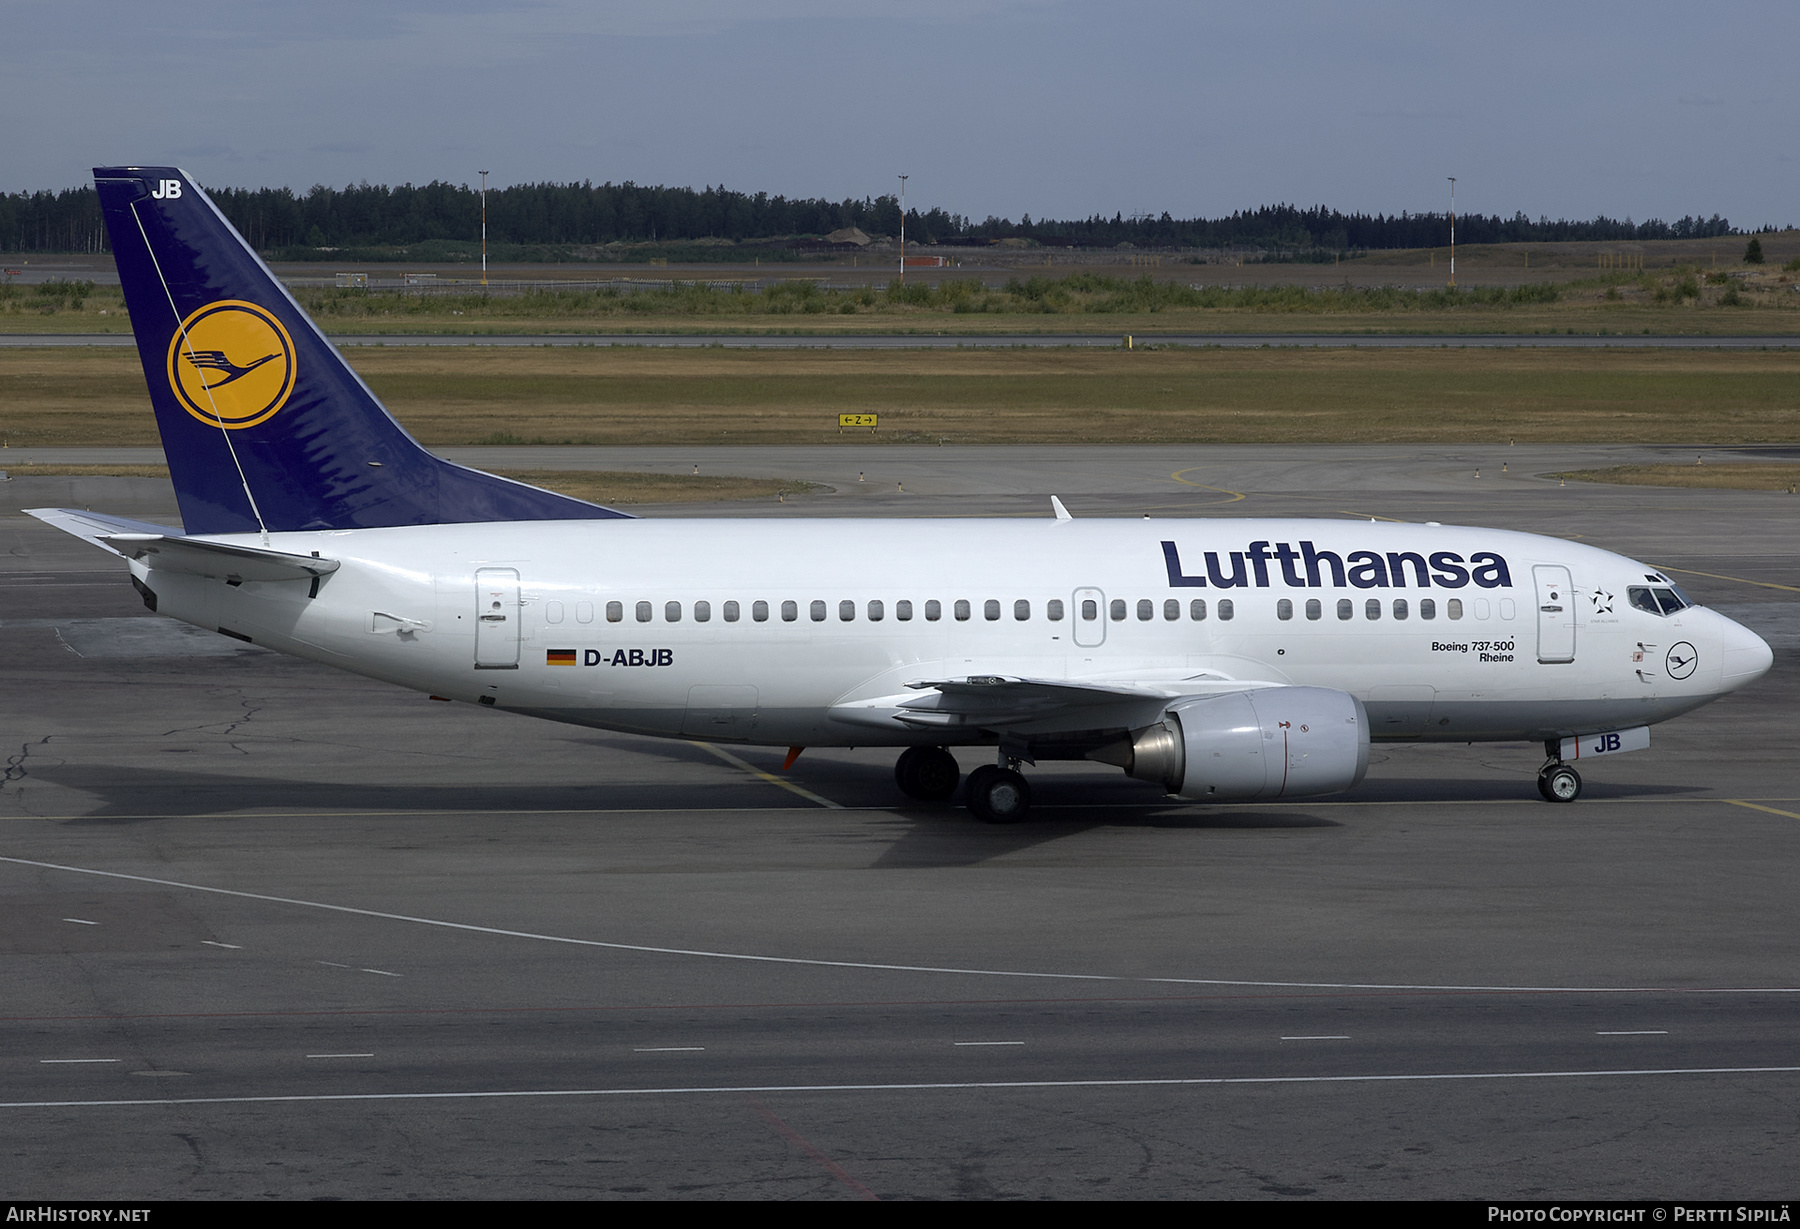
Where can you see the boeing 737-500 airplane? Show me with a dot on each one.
(1224, 660)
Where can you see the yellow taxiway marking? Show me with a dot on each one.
(1235, 495)
(770, 777)
(1739, 802)
(1764, 584)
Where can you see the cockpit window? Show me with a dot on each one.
(1658, 600)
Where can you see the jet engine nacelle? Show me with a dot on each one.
(1274, 742)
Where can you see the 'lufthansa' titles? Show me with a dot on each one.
(1310, 568)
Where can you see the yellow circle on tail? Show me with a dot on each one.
(231, 364)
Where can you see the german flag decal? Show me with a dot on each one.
(559, 657)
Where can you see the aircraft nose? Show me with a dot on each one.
(1745, 655)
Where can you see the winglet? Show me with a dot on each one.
(1062, 513)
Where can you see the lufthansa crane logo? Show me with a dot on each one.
(231, 364)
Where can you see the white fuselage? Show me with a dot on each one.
(653, 626)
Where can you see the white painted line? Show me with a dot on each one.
(1321, 1037)
(340, 1056)
(942, 1086)
(668, 1049)
(80, 1060)
(236, 947)
(987, 1043)
(471, 928)
(80, 921)
(383, 972)
(331, 964)
(1636, 1032)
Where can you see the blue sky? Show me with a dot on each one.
(1001, 107)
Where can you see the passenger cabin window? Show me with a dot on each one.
(934, 610)
(643, 612)
(1399, 608)
(1346, 608)
(962, 609)
(1197, 609)
(1427, 608)
(1171, 608)
(1146, 610)
(759, 611)
(847, 611)
(1453, 608)
(1054, 609)
(731, 612)
(615, 612)
(876, 610)
(902, 611)
(990, 609)
(702, 612)
(672, 612)
(817, 610)
(1372, 608)
(1284, 609)
(553, 612)
(1314, 611)
(1021, 610)
(1226, 609)
(584, 612)
(1090, 609)
(1118, 610)
(790, 610)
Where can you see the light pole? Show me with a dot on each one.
(903, 180)
(1452, 180)
(484, 228)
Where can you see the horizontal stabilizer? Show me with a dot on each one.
(218, 560)
(96, 527)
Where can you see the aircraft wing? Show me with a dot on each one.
(1027, 705)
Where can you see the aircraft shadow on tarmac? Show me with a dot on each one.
(1064, 805)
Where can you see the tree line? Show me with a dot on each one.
(585, 214)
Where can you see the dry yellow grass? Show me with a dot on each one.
(655, 396)
(1725, 476)
(616, 487)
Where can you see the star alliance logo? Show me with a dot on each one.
(1602, 601)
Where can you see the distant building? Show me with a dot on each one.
(849, 234)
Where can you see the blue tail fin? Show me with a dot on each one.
(264, 424)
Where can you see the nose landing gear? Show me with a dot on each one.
(1557, 781)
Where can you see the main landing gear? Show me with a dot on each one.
(929, 774)
(998, 795)
(995, 793)
(1557, 781)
